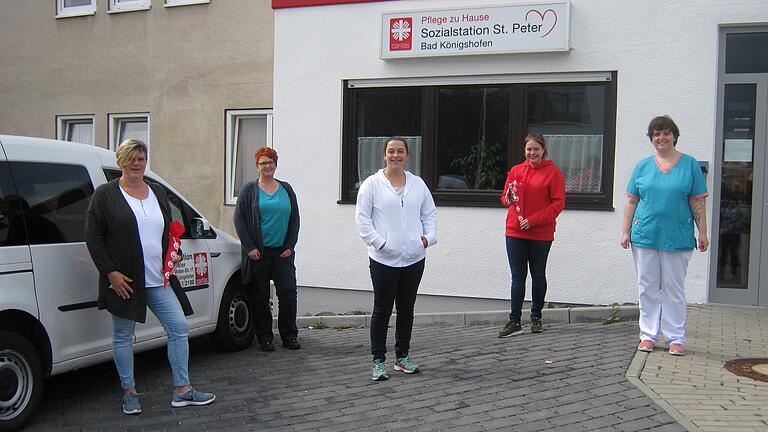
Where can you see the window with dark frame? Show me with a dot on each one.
(464, 138)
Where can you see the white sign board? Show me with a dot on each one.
(531, 27)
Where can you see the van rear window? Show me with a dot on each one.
(53, 199)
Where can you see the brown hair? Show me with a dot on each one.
(662, 123)
(268, 152)
(538, 138)
(396, 138)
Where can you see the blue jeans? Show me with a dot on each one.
(164, 304)
(522, 254)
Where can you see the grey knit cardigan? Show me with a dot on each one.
(112, 237)
(248, 226)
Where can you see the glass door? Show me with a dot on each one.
(737, 198)
(739, 270)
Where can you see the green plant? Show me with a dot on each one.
(342, 327)
(612, 317)
(482, 164)
(319, 324)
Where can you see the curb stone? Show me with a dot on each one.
(549, 316)
(633, 376)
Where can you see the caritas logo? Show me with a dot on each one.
(400, 32)
(201, 268)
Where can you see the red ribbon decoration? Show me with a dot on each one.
(174, 243)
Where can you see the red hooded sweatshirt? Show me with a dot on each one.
(541, 198)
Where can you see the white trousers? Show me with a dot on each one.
(661, 283)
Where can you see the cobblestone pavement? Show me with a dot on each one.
(698, 386)
(569, 378)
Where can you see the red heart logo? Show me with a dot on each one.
(542, 15)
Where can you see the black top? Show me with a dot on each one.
(112, 237)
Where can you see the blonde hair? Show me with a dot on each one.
(127, 150)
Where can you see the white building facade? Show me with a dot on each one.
(465, 80)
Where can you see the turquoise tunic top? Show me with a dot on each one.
(663, 218)
(275, 212)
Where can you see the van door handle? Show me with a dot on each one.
(215, 254)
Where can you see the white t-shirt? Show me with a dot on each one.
(149, 219)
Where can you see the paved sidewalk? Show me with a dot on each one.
(696, 389)
(569, 378)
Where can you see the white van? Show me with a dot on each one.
(49, 322)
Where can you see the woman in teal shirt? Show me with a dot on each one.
(665, 199)
(267, 222)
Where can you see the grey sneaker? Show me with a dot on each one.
(131, 403)
(192, 397)
(511, 329)
(379, 372)
(407, 365)
(536, 326)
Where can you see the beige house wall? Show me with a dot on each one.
(184, 65)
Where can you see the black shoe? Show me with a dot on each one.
(267, 345)
(511, 329)
(536, 326)
(291, 344)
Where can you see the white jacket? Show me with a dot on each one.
(383, 219)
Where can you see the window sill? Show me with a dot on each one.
(129, 9)
(75, 14)
(186, 3)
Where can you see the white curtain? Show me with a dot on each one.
(250, 135)
(370, 155)
(580, 159)
(136, 129)
(80, 132)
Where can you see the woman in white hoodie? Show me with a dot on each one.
(397, 219)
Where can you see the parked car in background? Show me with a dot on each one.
(49, 322)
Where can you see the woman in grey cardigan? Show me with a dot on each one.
(126, 231)
(267, 222)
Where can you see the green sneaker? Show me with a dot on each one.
(511, 329)
(536, 326)
(407, 365)
(379, 371)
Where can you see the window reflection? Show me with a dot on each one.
(381, 114)
(472, 136)
(746, 53)
(736, 186)
(572, 121)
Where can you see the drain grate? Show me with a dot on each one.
(754, 368)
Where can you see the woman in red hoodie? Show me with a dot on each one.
(534, 194)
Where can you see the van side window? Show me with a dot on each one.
(180, 210)
(12, 232)
(54, 199)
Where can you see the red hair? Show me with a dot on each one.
(268, 152)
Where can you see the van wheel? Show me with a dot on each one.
(235, 328)
(21, 380)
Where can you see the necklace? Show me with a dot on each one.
(668, 161)
(141, 202)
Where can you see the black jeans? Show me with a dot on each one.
(521, 254)
(283, 272)
(398, 286)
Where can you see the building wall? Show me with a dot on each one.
(184, 65)
(665, 54)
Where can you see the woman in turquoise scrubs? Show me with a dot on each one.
(665, 199)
